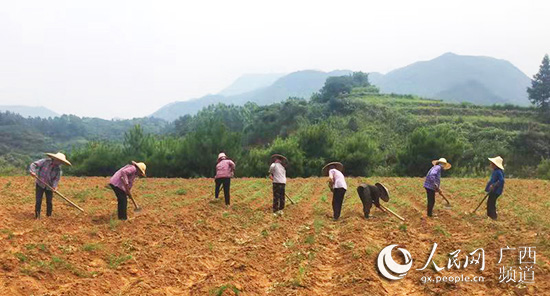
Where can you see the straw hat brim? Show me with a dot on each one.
(499, 165)
(384, 192)
(339, 166)
(63, 160)
(279, 156)
(139, 169)
(446, 165)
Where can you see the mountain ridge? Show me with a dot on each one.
(29, 111)
(296, 84)
(487, 78)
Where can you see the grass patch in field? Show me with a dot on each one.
(288, 243)
(299, 278)
(115, 261)
(310, 239)
(274, 226)
(347, 245)
(264, 233)
(403, 227)
(8, 232)
(369, 250)
(181, 191)
(21, 257)
(113, 223)
(67, 249)
(219, 291)
(318, 224)
(82, 195)
(92, 247)
(441, 230)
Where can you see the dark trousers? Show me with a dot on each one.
(492, 205)
(38, 206)
(226, 182)
(278, 197)
(337, 201)
(122, 200)
(431, 201)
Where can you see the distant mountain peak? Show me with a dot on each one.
(250, 82)
(29, 111)
(476, 79)
(296, 84)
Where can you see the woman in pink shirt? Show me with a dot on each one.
(121, 183)
(337, 184)
(225, 169)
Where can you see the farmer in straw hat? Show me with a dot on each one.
(225, 169)
(121, 183)
(337, 185)
(495, 186)
(48, 171)
(433, 180)
(277, 173)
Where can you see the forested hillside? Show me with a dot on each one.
(348, 121)
(22, 139)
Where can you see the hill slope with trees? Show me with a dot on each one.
(347, 121)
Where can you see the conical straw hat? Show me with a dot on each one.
(497, 161)
(59, 156)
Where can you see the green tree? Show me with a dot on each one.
(359, 154)
(428, 143)
(539, 92)
(337, 85)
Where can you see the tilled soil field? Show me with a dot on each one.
(184, 242)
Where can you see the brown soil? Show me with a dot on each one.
(186, 243)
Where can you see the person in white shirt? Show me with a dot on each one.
(277, 173)
(337, 185)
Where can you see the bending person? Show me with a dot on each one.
(122, 182)
(337, 185)
(432, 184)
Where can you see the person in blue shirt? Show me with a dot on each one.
(433, 181)
(495, 186)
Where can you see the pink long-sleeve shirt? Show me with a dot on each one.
(128, 173)
(225, 169)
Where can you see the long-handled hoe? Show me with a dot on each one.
(291, 201)
(136, 207)
(448, 205)
(59, 194)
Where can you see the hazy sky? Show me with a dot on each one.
(128, 58)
